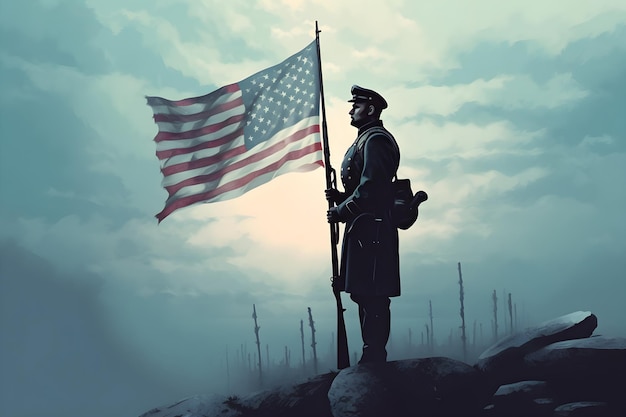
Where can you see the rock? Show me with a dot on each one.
(197, 406)
(503, 361)
(584, 409)
(416, 387)
(524, 398)
(306, 399)
(592, 368)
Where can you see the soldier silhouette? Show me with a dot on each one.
(370, 267)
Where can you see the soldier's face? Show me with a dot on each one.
(359, 114)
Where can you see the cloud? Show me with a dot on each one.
(511, 121)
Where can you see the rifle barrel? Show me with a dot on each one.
(343, 357)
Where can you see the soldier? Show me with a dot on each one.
(369, 269)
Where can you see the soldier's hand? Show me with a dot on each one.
(332, 215)
(333, 195)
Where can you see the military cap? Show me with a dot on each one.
(360, 94)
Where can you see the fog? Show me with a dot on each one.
(512, 121)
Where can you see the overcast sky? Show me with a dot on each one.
(511, 115)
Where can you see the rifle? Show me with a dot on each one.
(343, 357)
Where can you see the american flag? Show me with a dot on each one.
(219, 146)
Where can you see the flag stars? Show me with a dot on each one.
(282, 95)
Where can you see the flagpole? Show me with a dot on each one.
(343, 356)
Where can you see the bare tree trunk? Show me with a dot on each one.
(495, 315)
(313, 343)
(302, 339)
(504, 320)
(227, 371)
(258, 342)
(267, 358)
(462, 298)
(510, 315)
(431, 340)
(474, 336)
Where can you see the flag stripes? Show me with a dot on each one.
(221, 145)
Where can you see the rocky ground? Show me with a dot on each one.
(556, 369)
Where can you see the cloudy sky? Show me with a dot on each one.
(512, 117)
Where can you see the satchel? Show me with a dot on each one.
(404, 212)
(405, 207)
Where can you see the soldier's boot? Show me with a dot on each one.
(375, 328)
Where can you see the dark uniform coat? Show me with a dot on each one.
(369, 258)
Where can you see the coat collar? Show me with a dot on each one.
(369, 125)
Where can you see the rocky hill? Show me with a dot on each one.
(558, 368)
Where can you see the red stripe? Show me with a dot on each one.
(204, 162)
(214, 176)
(182, 118)
(204, 145)
(190, 134)
(172, 189)
(241, 182)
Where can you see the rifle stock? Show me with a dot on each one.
(343, 357)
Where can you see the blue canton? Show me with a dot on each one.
(281, 96)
